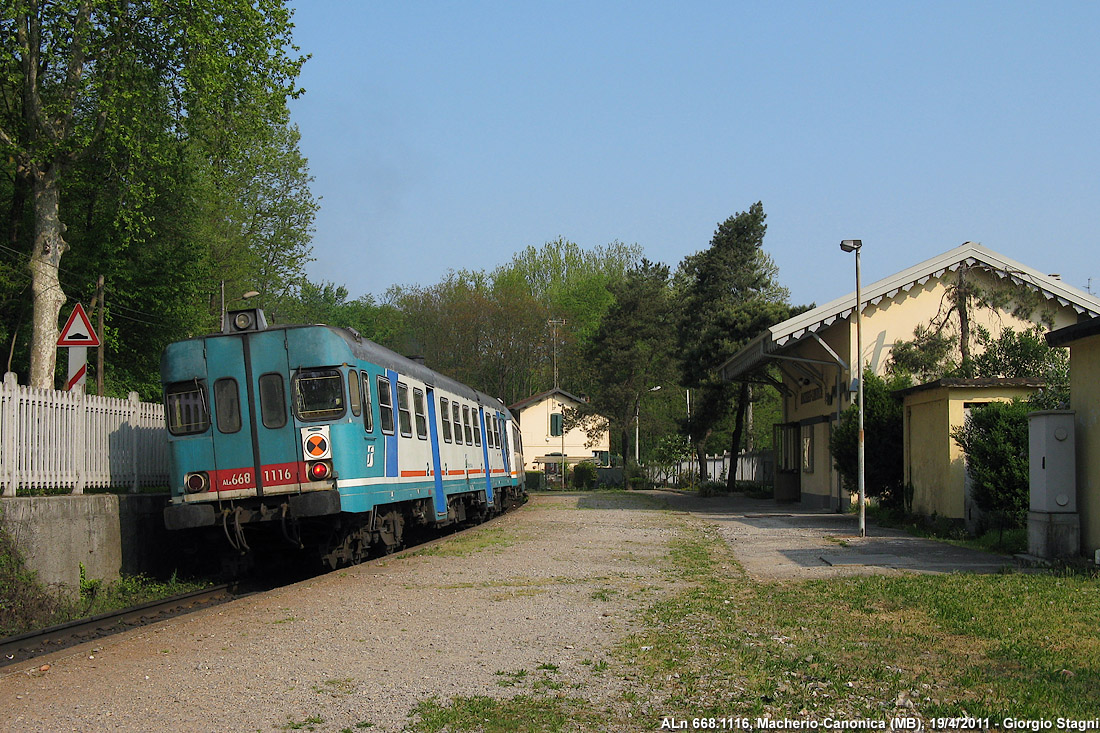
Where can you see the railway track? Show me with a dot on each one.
(24, 647)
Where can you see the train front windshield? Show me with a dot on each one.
(319, 394)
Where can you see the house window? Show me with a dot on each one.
(785, 439)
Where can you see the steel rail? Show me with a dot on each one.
(23, 647)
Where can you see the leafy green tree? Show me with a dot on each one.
(883, 435)
(631, 351)
(571, 285)
(480, 329)
(995, 440)
(88, 72)
(729, 295)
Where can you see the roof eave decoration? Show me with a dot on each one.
(970, 254)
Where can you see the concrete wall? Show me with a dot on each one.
(107, 534)
(934, 462)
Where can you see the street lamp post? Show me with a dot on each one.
(854, 245)
(636, 421)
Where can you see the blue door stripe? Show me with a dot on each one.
(433, 433)
(485, 455)
(392, 468)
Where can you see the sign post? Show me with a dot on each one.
(78, 335)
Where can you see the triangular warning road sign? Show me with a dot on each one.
(78, 330)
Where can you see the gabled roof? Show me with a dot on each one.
(545, 395)
(805, 324)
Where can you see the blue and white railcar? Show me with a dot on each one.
(335, 441)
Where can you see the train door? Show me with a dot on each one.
(437, 464)
(276, 446)
(485, 455)
(503, 444)
(234, 473)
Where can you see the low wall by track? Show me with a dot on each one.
(106, 533)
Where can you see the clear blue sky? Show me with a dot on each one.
(452, 134)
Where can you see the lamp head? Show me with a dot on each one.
(851, 245)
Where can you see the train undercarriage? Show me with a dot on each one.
(312, 527)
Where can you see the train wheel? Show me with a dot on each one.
(390, 531)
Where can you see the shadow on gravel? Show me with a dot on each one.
(787, 540)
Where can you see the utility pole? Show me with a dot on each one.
(554, 323)
(97, 301)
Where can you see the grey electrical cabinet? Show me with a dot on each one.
(1052, 460)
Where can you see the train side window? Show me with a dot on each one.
(185, 408)
(353, 393)
(456, 413)
(272, 400)
(227, 405)
(445, 418)
(494, 441)
(404, 416)
(420, 414)
(319, 394)
(477, 427)
(466, 425)
(368, 415)
(385, 405)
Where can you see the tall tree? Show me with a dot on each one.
(570, 284)
(85, 68)
(729, 295)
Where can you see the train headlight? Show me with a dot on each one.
(243, 321)
(196, 482)
(320, 470)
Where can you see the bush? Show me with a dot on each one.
(584, 475)
(534, 480)
(883, 447)
(995, 440)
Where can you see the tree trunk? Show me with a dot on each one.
(45, 286)
(738, 432)
(963, 305)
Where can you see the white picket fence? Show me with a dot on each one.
(67, 440)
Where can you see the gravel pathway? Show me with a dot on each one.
(554, 583)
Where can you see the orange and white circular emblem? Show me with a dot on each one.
(316, 444)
